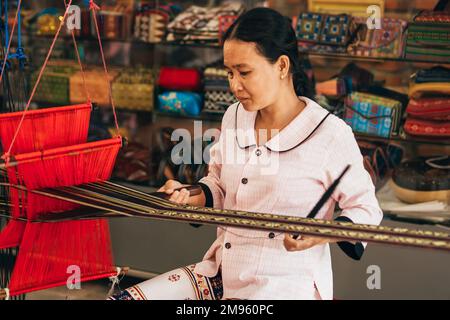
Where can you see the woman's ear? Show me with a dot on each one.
(283, 66)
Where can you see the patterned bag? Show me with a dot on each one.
(372, 115)
(218, 101)
(184, 103)
(387, 42)
(201, 24)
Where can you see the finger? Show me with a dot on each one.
(171, 185)
(181, 196)
(289, 243)
(174, 196)
(186, 196)
(297, 245)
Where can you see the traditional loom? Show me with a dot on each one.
(59, 198)
(13, 85)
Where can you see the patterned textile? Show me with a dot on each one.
(428, 128)
(373, 115)
(150, 26)
(179, 284)
(218, 101)
(151, 21)
(429, 37)
(323, 29)
(217, 91)
(433, 16)
(430, 108)
(385, 42)
(201, 24)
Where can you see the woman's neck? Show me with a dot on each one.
(280, 114)
(274, 118)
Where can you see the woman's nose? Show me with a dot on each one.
(235, 85)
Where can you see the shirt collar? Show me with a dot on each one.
(299, 129)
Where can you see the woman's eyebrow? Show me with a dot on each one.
(239, 65)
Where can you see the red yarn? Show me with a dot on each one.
(48, 249)
(45, 128)
(42, 129)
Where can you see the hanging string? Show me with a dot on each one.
(7, 155)
(114, 281)
(94, 7)
(88, 97)
(10, 39)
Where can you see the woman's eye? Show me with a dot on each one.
(244, 73)
(230, 75)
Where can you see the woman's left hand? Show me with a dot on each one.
(304, 242)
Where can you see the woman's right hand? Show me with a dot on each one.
(178, 196)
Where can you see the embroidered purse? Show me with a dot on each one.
(372, 115)
(386, 42)
(184, 103)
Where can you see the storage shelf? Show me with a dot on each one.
(313, 54)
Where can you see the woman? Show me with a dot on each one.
(277, 153)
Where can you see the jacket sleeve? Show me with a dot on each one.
(355, 194)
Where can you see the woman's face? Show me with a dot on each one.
(253, 79)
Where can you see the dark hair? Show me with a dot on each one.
(274, 36)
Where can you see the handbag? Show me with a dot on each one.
(325, 29)
(179, 79)
(184, 103)
(372, 115)
(387, 42)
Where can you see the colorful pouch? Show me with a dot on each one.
(184, 103)
(385, 42)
